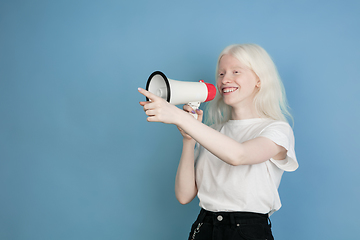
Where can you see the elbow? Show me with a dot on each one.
(184, 200)
(236, 160)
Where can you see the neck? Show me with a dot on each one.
(243, 113)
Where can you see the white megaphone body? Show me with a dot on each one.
(180, 92)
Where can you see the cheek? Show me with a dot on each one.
(218, 86)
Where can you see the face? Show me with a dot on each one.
(236, 82)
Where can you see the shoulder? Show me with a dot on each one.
(282, 134)
(279, 132)
(271, 125)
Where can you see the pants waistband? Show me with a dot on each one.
(232, 218)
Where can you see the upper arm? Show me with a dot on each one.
(259, 150)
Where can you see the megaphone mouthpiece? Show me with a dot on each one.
(211, 91)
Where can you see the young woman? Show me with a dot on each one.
(240, 159)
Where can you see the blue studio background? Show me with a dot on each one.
(78, 160)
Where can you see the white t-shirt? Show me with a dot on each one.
(249, 188)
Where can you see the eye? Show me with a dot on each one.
(221, 74)
(236, 72)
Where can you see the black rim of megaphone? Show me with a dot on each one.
(166, 82)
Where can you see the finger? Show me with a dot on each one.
(149, 105)
(143, 103)
(150, 112)
(187, 108)
(200, 114)
(148, 94)
(181, 131)
(184, 134)
(152, 119)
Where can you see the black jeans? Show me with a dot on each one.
(231, 226)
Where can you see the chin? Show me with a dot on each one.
(228, 102)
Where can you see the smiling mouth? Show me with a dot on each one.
(229, 90)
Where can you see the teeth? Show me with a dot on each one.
(229, 90)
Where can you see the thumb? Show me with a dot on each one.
(200, 114)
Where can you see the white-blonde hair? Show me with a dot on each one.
(270, 101)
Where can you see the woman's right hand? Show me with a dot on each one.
(191, 111)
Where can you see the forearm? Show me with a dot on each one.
(219, 144)
(185, 185)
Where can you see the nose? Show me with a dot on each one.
(226, 79)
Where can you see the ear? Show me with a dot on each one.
(258, 84)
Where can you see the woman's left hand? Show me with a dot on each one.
(159, 110)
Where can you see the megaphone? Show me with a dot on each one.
(180, 92)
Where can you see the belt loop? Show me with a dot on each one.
(202, 215)
(269, 221)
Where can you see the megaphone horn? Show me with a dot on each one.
(179, 92)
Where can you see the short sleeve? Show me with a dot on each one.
(282, 134)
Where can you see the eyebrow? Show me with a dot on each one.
(236, 67)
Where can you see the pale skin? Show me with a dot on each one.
(238, 85)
